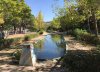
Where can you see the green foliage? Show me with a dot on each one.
(30, 36)
(83, 35)
(16, 55)
(90, 8)
(81, 14)
(78, 14)
(79, 32)
(7, 43)
(71, 18)
(38, 22)
(40, 32)
(15, 14)
(55, 24)
(27, 38)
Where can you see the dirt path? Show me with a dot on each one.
(6, 64)
(19, 35)
(76, 45)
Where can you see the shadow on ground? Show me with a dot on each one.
(79, 61)
(8, 65)
(73, 61)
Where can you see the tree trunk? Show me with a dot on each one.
(20, 29)
(89, 25)
(2, 32)
(14, 30)
(95, 23)
(23, 29)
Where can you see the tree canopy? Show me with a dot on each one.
(39, 23)
(79, 14)
(15, 14)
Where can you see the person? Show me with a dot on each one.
(28, 57)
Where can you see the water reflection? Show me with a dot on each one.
(39, 44)
(59, 40)
(52, 46)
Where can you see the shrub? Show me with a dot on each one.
(27, 38)
(83, 35)
(6, 43)
(30, 36)
(40, 32)
(79, 32)
(16, 55)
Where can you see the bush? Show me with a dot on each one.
(83, 35)
(78, 33)
(16, 55)
(30, 36)
(6, 43)
(40, 32)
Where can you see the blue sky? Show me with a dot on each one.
(43, 5)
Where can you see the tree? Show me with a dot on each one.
(90, 8)
(16, 15)
(75, 13)
(55, 23)
(69, 16)
(27, 17)
(39, 23)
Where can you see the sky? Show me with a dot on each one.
(45, 6)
